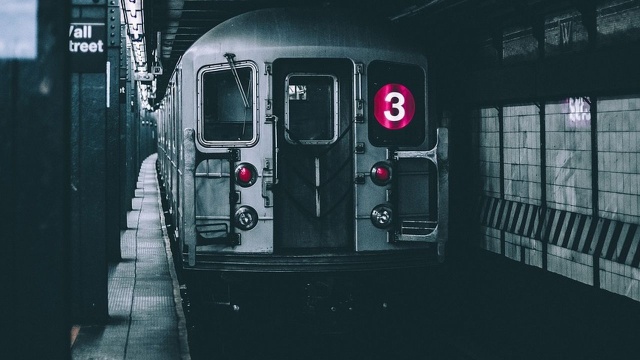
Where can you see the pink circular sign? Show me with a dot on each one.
(394, 106)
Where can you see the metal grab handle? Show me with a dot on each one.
(274, 120)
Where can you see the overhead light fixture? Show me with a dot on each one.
(133, 11)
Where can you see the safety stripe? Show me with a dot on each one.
(492, 213)
(513, 220)
(506, 216)
(630, 245)
(549, 223)
(516, 219)
(560, 227)
(580, 233)
(503, 214)
(552, 219)
(484, 204)
(634, 253)
(611, 244)
(587, 232)
(599, 236)
(569, 231)
(636, 260)
(623, 241)
(536, 225)
(524, 219)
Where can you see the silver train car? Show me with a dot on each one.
(300, 141)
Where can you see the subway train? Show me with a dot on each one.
(302, 141)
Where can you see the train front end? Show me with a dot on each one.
(306, 151)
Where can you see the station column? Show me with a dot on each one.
(90, 144)
(34, 179)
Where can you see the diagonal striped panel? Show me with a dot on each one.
(612, 240)
(624, 243)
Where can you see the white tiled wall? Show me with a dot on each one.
(522, 154)
(569, 181)
(569, 263)
(515, 245)
(568, 157)
(619, 159)
(489, 239)
(620, 279)
(487, 143)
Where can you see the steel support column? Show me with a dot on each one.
(88, 182)
(113, 132)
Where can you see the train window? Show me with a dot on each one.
(311, 109)
(228, 106)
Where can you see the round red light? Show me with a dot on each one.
(383, 173)
(244, 175)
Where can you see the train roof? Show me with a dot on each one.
(298, 28)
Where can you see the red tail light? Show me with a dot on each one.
(381, 173)
(246, 174)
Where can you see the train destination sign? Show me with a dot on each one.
(394, 106)
(397, 104)
(87, 47)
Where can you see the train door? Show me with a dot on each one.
(314, 196)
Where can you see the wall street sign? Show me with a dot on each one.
(87, 47)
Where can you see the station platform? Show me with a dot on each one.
(146, 320)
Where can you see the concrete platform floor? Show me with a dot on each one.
(146, 320)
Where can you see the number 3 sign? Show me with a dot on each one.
(394, 106)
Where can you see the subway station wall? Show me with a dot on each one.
(554, 125)
(559, 187)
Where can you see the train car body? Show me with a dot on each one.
(300, 141)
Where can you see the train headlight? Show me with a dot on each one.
(381, 173)
(382, 216)
(245, 218)
(246, 174)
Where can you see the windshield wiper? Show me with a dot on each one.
(230, 59)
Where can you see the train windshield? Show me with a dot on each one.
(226, 116)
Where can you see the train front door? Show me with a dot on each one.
(314, 196)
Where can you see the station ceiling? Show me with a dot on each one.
(181, 22)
